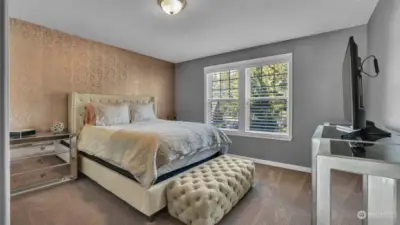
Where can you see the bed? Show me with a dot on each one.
(145, 195)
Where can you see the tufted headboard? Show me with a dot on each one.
(77, 103)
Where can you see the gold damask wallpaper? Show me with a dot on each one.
(46, 65)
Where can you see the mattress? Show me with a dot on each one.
(188, 160)
(167, 171)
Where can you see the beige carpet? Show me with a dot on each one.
(278, 197)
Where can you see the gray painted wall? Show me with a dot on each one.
(383, 92)
(317, 73)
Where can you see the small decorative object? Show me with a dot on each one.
(57, 127)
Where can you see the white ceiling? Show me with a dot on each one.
(203, 28)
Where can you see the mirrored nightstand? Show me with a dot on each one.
(42, 160)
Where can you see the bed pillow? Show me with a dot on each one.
(108, 114)
(90, 114)
(144, 112)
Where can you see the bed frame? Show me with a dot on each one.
(147, 201)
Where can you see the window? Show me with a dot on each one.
(224, 100)
(251, 98)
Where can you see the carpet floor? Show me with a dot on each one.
(279, 196)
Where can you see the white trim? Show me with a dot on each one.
(275, 164)
(290, 99)
(207, 91)
(255, 134)
(4, 116)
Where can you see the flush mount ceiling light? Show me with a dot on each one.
(172, 7)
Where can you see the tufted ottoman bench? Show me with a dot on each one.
(205, 194)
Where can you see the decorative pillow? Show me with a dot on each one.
(143, 112)
(90, 114)
(107, 115)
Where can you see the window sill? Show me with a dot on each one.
(257, 135)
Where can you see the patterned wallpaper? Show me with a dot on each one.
(46, 65)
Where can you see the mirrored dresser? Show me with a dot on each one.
(42, 160)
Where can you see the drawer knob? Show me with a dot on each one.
(42, 148)
(42, 175)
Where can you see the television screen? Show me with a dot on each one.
(347, 100)
(352, 88)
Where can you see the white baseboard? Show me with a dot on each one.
(275, 164)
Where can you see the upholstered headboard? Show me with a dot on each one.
(77, 103)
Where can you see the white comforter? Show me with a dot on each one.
(143, 147)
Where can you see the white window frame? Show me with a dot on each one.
(244, 92)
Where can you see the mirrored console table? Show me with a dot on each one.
(377, 161)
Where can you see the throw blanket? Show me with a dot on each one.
(143, 147)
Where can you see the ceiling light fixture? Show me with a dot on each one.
(172, 7)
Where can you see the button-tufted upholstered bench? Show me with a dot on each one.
(205, 194)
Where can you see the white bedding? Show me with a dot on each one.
(174, 165)
(188, 160)
(146, 148)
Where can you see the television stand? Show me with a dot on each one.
(380, 170)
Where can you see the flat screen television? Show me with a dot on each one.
(354, 112)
